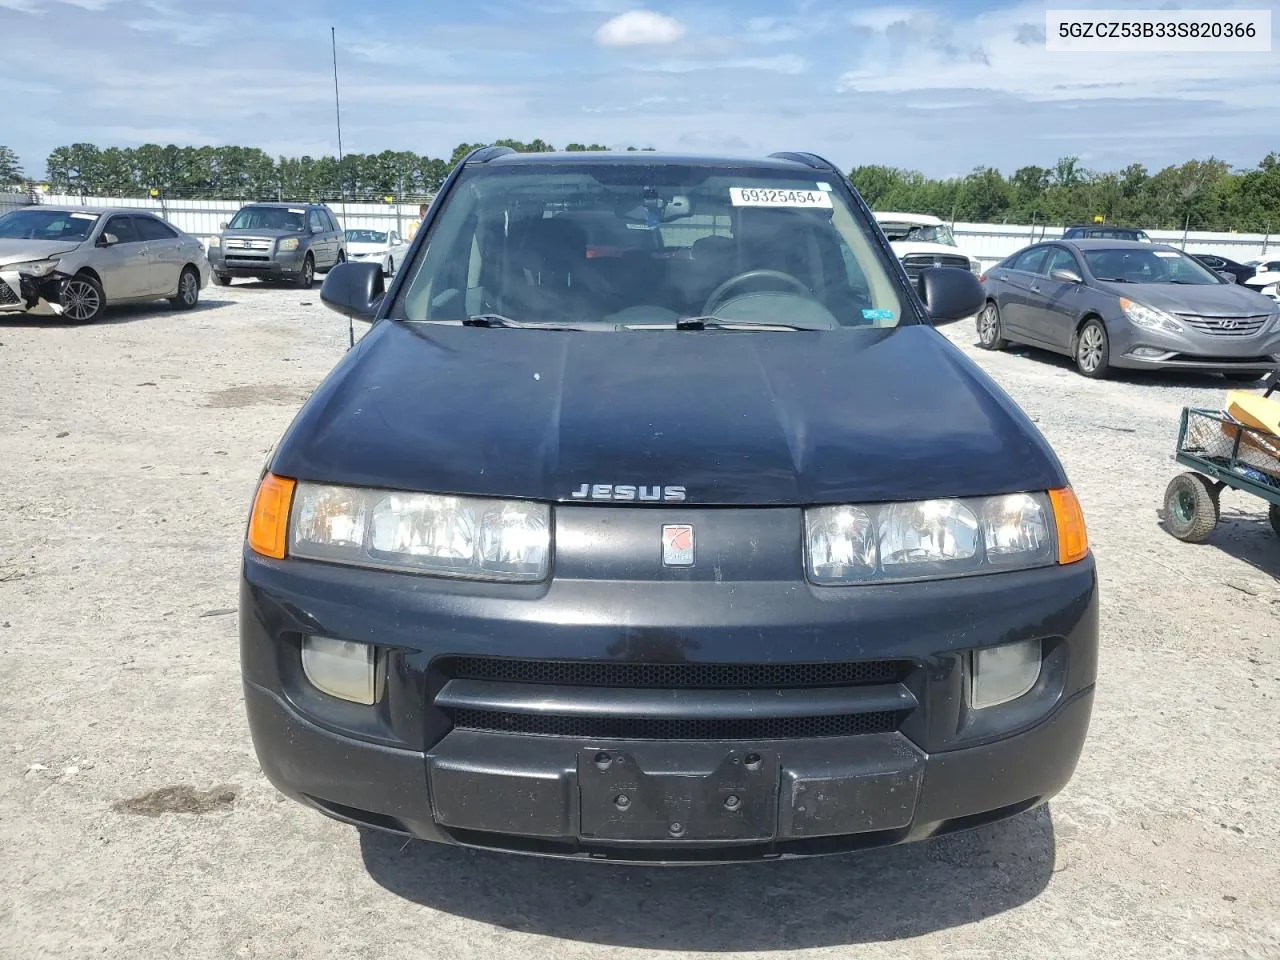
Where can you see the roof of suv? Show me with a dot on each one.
(284, 204)
(776, 162)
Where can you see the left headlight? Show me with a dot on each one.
(942, 538)
(287, 244)
(446, 536)
(35, 268)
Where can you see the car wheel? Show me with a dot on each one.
(342, 257)
(82, 299)
(990, 330)
(188, 290)
(1190, 508)
(389, 267)
(307, 279)
(1274, 516)
(221, 281)
(1093, 350)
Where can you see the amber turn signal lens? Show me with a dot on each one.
(1073, 539)
(269, 521)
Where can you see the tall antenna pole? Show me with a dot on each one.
(337, 110)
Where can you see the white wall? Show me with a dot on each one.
(12, 201)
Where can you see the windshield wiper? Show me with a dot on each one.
(715, 323)
(1114, 280)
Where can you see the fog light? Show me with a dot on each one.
(1147, 353)
(340, 668)
(1004, 673)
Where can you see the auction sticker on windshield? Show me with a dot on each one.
(769, 197)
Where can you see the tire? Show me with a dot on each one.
(188, 290)
(1241, 377)
(389, 268)
(221, 281)
(1093, 350)
(342, 257)
(82, 299)
(1190, 508)
(307, 279)
(1274, 516)
(990, 328)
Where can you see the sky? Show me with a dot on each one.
(940, 87)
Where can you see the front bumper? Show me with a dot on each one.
(1137, 349)
(273, 266)
(802, 780)
(19, 294)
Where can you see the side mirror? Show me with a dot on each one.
(222, 225)
(950, 293)
(1065, 276)
(354, 290)
(108, 240)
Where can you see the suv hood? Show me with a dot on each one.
(1205, 300)
(19, 251)
(734, 418)
(269, 234)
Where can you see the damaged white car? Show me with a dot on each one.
(74, 262)
(922, 241)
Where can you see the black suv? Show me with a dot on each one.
(1102, 232)
(278, 241)
(703, 547)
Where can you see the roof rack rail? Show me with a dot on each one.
(808, 159)
(485, 154)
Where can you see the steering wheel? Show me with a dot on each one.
(785, 279)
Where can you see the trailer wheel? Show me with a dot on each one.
(1190, 508)
(1274, 516)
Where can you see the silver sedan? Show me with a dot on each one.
(77, 261)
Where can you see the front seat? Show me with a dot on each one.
(550, 262)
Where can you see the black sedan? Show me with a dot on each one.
(1239, 272)
(1117, 303)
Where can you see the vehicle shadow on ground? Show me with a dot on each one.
(112, 315)
(1137, 378)
(880, 895)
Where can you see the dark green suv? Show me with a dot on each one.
(278, 241)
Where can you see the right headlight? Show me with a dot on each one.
(932, 539)
(447, 536)
(1149, 318)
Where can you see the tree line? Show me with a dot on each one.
(1198, 194)
(247, 173)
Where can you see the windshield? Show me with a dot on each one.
(47, 225)
(918, 232)
(293, 219)
(649, 244)
(1148, 266)
(366, 236)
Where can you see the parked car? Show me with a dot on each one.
(1105, 232)
(278, 241)
(80, 260)
(378, 246)
(920, 240)
(1266, 273)
(1239, 272)
(815, 583)
(1118, 303)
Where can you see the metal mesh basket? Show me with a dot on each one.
(1222, 441)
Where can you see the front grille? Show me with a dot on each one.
(242, 243)
(1245, 326)
(690, 728)
(675, 675)
(7, 296)
(918, 261)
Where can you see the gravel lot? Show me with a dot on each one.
(134, 821)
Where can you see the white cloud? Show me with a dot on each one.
(640, 28)
(1001, 51)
